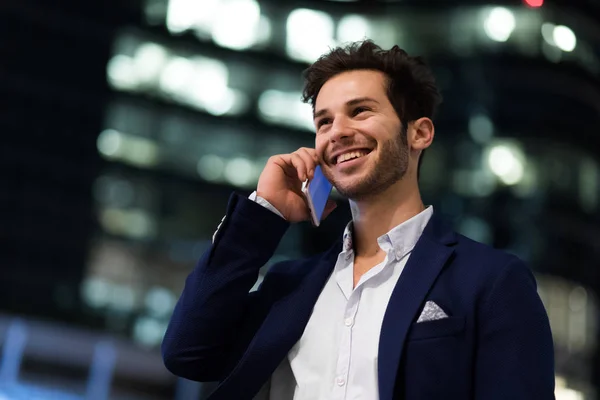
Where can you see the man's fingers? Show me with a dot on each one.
(312, 153)
(304, 162)
(309, 158)
(300, 165)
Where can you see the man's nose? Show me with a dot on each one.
(341, 129)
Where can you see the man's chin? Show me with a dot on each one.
(364, 189)
(356, 191)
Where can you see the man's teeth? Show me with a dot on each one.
(351, 155)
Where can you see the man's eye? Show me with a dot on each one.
(323, 122)
(359, 110)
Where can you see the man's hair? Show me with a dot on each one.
(411, 86)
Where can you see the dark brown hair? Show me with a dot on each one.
(411, 86)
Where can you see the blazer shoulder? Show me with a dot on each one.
(486, 262)
(482, 251)
(466, 250)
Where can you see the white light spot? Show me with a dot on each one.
(564, 393)
(506, 163)
(96, 292)
(159, 302)
(148, 331)
(176, 75)
(264, 30)
(309, 34)
(239, 172)
(109, 143)
(183, 15)
(140, 151)
(353, 28)
(564, 38)
(285, 108)
(132, 223)
(499, 24)
(209, 85)
(223, 102)
(140, 225)
(149, 60)
(236, 24)
(211, 167)
(121, 72)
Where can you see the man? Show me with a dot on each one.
(400, 308)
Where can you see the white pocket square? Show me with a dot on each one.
(431, 312)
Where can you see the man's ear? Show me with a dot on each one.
(421, 133)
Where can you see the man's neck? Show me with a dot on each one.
(377, 215)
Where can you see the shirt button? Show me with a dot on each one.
(348, 322)
(340, 382)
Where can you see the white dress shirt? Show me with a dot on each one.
(336, 357)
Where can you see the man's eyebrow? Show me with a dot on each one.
(352, 102)
(359, 100)
(320, 113)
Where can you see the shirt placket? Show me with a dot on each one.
(342, 370)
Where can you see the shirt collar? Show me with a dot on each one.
(403, 237)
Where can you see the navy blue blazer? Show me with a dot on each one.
(495, 344)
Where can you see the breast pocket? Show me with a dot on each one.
(436, 360)
(450, 326)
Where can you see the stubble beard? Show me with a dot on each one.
(390, 167)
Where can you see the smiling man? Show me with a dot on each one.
(401, 307)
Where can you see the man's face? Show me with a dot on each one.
(359, 139)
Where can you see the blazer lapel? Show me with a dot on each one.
(424, 265)
(280, 331)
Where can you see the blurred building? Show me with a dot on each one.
(127, 125)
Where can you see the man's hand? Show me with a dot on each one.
(280, 183)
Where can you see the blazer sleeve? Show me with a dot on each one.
(515, 353)
(206, 326)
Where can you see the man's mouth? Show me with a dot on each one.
(351, 155)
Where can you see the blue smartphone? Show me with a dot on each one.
(317, 192)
